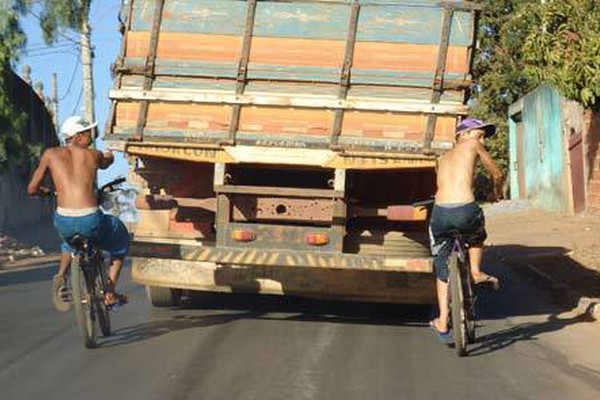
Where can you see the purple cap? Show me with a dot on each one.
(468, 124)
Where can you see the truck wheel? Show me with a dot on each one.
(163, 297)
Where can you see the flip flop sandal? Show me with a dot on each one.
(61, 295)
(444, 337)
(120, 300)
(489, 280)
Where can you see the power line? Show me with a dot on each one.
(77, 62)
(49, 53)
(78, 102)
(57, 32)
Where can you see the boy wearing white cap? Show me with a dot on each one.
(73, 169)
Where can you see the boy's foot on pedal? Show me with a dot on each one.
(61, 295)
(112, 299)
(483, 278)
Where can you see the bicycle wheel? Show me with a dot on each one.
(101, 289)
(83, 301)
(457, 306)
(469, 307)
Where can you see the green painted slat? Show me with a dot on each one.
(222, 17)
(419, 25)
(302, 20)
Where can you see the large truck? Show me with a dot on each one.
(280, 146)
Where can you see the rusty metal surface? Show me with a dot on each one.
(360, 285)
(252, 208)
(146, 247)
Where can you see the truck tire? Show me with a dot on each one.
(163, 297)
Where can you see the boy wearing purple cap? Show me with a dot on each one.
(455, 209)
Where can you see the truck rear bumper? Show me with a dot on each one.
(279, 258)
(322, 283)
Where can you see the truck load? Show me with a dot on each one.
(280, 146)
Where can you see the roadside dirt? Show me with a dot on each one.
(566, 248)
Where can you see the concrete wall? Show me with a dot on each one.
(17, 210)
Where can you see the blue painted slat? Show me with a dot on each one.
(513, 160)
(404, 22)
(302, 20)
(419, 25)
(222, 17)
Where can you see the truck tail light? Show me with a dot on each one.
(243, 235)
(317, 239)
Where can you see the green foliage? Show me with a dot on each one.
(563, 47)
(12, 40)
(70, 14)
(523, 43)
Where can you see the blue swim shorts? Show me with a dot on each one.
(105, 231)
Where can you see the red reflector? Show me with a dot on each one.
(243, 235)
(317, 239)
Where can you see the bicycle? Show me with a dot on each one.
(462, 295)
(90, 283)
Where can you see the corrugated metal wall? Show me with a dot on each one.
(541, 158)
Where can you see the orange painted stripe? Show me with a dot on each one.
(298, 52)
(277, 120)
(394, 126)
(186, 46)
(408, 57)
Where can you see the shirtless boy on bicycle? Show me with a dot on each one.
(73, 169)
(455, 209)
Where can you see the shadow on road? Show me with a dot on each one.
(529, 331)
(227, 308)
(17, 277)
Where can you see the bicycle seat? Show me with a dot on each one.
(78, 242)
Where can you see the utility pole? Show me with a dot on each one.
(87, 63)
(54, 101)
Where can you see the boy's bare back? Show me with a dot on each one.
(456, 171)
(73, 171)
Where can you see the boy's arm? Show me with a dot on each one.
(495, 172)
(105, 159)
(35, 185)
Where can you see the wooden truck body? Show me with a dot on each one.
(280, 146)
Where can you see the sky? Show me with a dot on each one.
(63, 58)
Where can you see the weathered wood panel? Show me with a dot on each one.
(296, 49)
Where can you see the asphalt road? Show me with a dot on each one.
(248, 347)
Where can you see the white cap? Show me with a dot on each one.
(74, 125)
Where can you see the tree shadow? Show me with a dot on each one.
(524, 332)
(552, 264)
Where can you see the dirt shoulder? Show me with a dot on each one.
(565, 248)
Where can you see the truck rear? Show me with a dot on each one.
(280, 146)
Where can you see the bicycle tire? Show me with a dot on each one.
(103, 310)
(457, 306)
(83, 304)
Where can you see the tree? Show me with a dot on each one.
(12, 41)
(524, 43)
(73, 15)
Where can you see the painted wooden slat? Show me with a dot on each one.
(187, 46)
(302, 20)
(222, 17)
(408, 57)
(268, 120)
(418, 25)
(394, 126)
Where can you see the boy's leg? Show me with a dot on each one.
(60, 292)
(441, 323)
(475, 259)
(112, 297)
